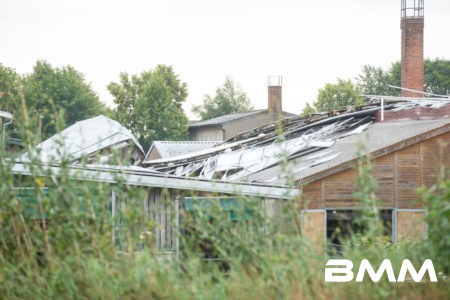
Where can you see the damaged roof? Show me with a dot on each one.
(168, 149)
(378, 139)
(137, 176)
(82, 139)
(307, 146)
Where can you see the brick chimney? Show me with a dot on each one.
(274, 95)
(412, 69)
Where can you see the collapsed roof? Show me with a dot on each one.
(309, 145)
(168, 149)
(95, 138)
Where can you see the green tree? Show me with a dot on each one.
(337, 96)
(229, 98)
(437, 76)
(308, 109)
(50, 90)
(9, 88)
(375, 81)
(150, 104)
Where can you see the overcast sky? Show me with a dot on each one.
(309, 43)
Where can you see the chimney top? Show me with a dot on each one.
(412, 9)
(274, 99)
(274, 80)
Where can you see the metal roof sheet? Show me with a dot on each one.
(226, 118)
(309, 145)
(232, 117)
(377, 137)
(82, 138)
(168, 149)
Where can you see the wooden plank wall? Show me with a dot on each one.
(399, 175)
(313, 227)
(161, 212)
(410, 225)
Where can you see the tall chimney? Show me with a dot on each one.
(412, 69)
(274, 93)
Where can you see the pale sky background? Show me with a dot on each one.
(309, 43)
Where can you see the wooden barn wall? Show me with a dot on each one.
(399, 174)
(410, 225)
(313, 226)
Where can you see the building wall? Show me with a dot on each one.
(212, 133)
(399, 175)
(242, 125)
(154, 154)
(231, 129)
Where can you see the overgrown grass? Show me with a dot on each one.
(61, 247)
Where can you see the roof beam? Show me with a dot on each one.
(114, 175)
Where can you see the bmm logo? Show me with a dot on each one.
(346, 274)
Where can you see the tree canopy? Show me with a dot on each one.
(50, 90)
(150, 104)
(229, 98)
(337, 96)
(375, 81)
(9, 88)
(437, 76)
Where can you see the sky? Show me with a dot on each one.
(308, 43)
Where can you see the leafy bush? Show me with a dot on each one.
(68, 245)
(437, 200)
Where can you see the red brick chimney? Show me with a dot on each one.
(274, 95)
(412, 69)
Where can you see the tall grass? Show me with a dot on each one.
(61, 247)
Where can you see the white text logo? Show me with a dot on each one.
(341, 271)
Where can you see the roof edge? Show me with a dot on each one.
(378, 153)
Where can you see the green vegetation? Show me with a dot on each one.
(438, 219)
(9, 85)
(229, 99)
(375, 81)
(343, 94)
(48, 91)
(73, 248)
(150, 104)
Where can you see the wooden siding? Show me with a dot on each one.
(312, 195)
(338, 190)
(384, 172)
(435, 153)
(313, 227)
(410, 225)
(399, 174)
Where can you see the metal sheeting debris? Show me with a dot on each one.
(273, 144)
(238, 159)
(93, 138)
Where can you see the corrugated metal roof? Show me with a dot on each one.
(232, 117)
(82, 138)
(377, 137)
(226, 118)
(168, 149)
(310, 145)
